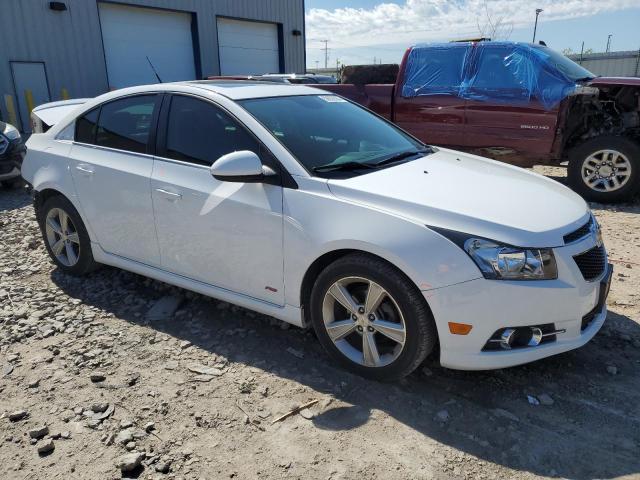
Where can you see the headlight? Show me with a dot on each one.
(11, 132)
(497, 261)
(501, 262)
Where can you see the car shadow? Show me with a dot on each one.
(592, 429)
(13, 198)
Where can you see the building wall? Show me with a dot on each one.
(70, 42)
(611, 64)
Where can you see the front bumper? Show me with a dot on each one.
(490, 305)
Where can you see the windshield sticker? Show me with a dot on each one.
(332, 98)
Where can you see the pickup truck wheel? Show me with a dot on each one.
(605, 169)
(371, 318)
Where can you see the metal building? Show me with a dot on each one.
(82, 48)
(610, 64)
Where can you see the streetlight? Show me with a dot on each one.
(538, 12)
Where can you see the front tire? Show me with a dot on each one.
(605, 169)
(65, 236)
(371, 318)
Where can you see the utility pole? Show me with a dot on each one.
(326, 53)
(538, 12)
(608, 43)
(581, 52)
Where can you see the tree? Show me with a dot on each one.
(569, 51)
(495, 28)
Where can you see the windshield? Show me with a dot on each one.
(326, 131)
(565, 65)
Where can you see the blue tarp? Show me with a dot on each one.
(503, 72)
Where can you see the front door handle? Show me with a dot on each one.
(169, 195)
(85, 169)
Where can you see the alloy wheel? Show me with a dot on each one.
(62, 237)
(364, 321)
(606, 170)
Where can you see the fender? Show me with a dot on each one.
(38, 169)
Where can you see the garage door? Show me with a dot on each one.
(131, 34)
(248, 47)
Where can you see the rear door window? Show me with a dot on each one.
(125, 124)
(200, 133)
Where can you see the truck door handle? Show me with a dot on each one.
(169, 195)
(85, 169)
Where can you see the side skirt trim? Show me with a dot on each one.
(286, 313)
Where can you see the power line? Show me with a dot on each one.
(326, 52)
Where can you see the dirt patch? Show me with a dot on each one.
(192, 389)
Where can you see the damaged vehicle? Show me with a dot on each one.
(520, 103)
(12, 151)
(306, 207)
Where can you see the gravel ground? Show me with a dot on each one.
(99, 382)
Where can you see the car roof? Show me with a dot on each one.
(243, 89)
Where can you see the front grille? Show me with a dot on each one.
(583, 231)
(589, 317)
(591, 263)
(605, 284)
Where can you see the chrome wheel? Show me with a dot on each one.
(62, 237)
(364, 321)
(606, 170)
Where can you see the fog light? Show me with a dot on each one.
(522, 337)
(536, 337)
(506, 339)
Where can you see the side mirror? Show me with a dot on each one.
(243, 166)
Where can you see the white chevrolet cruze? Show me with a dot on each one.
(304, 206)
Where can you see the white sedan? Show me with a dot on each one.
(304, 206)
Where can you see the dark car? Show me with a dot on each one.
(12, 151)
(520, 103)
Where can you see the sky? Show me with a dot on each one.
(361, 30)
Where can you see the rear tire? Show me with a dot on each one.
(605, 169)
(399, 324)
(65, 236)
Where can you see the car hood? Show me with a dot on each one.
(471, 194)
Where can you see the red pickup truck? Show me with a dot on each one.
(520, 103)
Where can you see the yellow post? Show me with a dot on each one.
(11, 110)
(28, 97)
(65, 94)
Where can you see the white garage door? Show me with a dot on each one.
(131, 34)
(248, 47)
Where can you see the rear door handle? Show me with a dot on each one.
(169, 195)
(85, 169)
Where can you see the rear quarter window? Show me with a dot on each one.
(434, 70)
(86, 127)
(125, 124)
